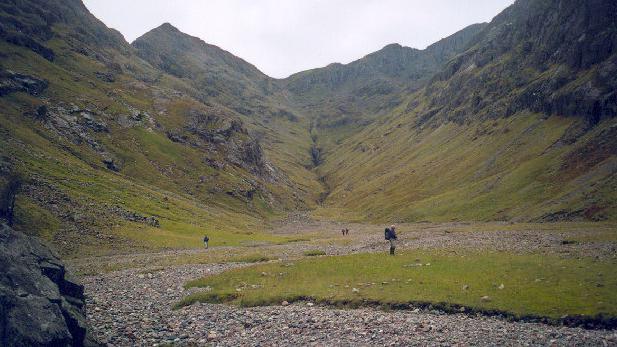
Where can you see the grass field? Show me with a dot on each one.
(538, 285)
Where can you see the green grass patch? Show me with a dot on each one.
(532, 284)
(314, 252)
(215, 298)
(251, 258)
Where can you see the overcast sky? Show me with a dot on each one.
(282, 37)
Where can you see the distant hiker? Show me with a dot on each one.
(390, 235)
(343, 232)
(206, 239)
(346, 231)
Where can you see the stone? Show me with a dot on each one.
(39, 303)
(11, 82)
(285, 303)
(486, 298)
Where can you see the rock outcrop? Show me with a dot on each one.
(39, 303)
(11, 82)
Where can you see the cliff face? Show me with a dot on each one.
(550, 57)
(39, 303)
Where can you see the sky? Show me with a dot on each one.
(282, 37)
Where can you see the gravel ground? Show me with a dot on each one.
(369, 238)
(133, 307)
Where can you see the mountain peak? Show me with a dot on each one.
(167, 27)
(392, 46)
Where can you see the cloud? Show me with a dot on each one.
(282, 37)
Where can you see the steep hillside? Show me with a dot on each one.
(116, 153)
(218, 74)
(519, 126)
(214, 76)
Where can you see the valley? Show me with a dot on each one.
(201, 141)
(493, 150)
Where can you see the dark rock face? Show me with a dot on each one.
(11, 82)
(39, 303)
(28, 23)
(552, 57)
(135, 217)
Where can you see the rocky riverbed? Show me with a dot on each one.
(134, 307)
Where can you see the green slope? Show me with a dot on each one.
(519, 126)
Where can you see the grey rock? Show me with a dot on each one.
(11, 82)
(39, 303)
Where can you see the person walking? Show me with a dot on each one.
(206, 239)
(390, 235)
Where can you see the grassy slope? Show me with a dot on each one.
(159, 178)
(508, 168)
(532, 284)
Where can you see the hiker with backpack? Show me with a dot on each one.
(206, 239)
(390, 235)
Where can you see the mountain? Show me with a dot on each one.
(152, 144)
(216, 72)
(393, 62)
(109, 145)
(354, 94)
(519, 126)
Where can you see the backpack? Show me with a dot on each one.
(387, 234)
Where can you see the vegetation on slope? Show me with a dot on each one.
(118, 155)
(519, 126)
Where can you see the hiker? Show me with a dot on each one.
(343, 232)
(346, 231)
(206, 239)
(390, 235)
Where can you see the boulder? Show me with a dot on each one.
(39, 303)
